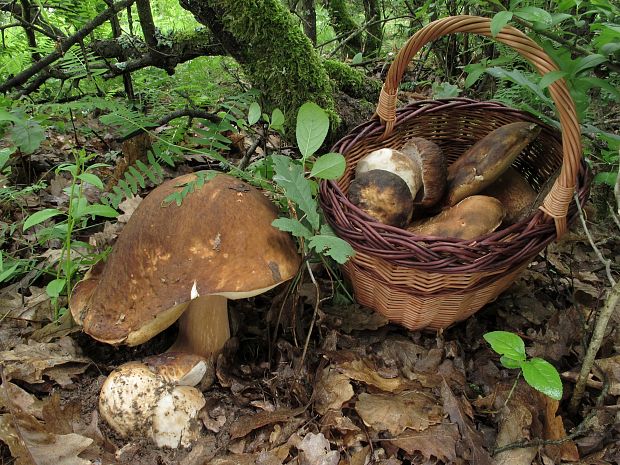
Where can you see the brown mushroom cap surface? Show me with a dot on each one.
(382, 195)
(470, 218)
(218, 241)
(429, 157)
(515, 193)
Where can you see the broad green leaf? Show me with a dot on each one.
(5, 155)
(293, 226)
(311, 129)
(8, 273)
(329, 166)
(290, 177)
(506, 343)
(99, 210)
(535, 15)
(254, 113)
(332, 246)
(606, 177)
(508, 362)
(6, 116)
(543, 377)
(357, 59)
(445, 90)
(550, 78)
(499, 21)
(519, 78)
(473, 75)
(277, 119)
(55, 287)
(588, 62)
(40, 217)
(27, 135)
(91, 178)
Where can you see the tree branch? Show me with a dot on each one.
(63, 45)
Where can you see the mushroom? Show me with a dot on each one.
(515, 193)
(185, 261)
(419, 164)
(472, 217)
(156, 399)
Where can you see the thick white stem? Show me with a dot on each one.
(203, 327)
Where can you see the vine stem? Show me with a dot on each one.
(316, 311)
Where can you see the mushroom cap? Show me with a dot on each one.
(382, 195)
(429, 157)
(219, 241)
(137, 400)
(395, 162)
(515, 193)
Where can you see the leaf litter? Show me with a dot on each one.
(366, 392)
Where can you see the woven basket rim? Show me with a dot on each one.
(505, 248)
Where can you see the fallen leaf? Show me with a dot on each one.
(472, 438)
(59, 360)
(611, 367)
(515, 423)
(362, 370)
(437, 441)
(554, 429)
(349, 318)
(331, 391)
(395, 413)
(21, 399)
(244, 425)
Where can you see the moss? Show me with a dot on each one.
(344, 25)
(352, 81)
(276, 55)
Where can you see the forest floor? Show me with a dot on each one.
(365, 392)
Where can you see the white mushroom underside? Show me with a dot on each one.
(395, 162)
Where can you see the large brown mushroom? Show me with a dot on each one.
(185, 261)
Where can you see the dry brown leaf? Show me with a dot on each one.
(348, 318)
(363, 371)
(246, 424)
(276, 456)
(437, 441)
(611, 367)
(58, 360)
(315, 449)
(472, 438)
(331, 391)
(360, 457)
(554, 429)
(21, 399)
(56, 329)
(515, 425)
(395, 413)
(33, 307)
(31, 443)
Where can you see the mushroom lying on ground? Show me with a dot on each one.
(419, 165)
(185, 261)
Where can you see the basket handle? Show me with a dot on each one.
(559, 197)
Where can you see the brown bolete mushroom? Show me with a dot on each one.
(515, 193)
(471, 217)
(184, 262)
(155, 399)
(419, 164)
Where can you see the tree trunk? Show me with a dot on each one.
(277, 57)
(374, 30)
(345, 26)
(307, 12)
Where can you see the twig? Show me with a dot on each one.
(316, 311)
(599, 255)
(595, 344)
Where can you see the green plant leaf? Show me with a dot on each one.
(5, 155)
(254, 113)
(55, 287)
(8, 273)
(357, 59)
(277, 120)
(293, 226)
(339, 249)
(587, 62)
(329, 166)
(543, 377)
(27, 135)
(508, 362)
(507, 344)
(499, 21)
(550, 78)
(606, 177)
(40, 217)
(290, 177)
(91, 178)
(98, 210)
(535, 15)
(311, 129)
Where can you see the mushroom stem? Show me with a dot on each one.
(203, 327)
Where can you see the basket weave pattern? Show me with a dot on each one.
(429, 282)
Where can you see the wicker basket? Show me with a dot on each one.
(429, 282)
